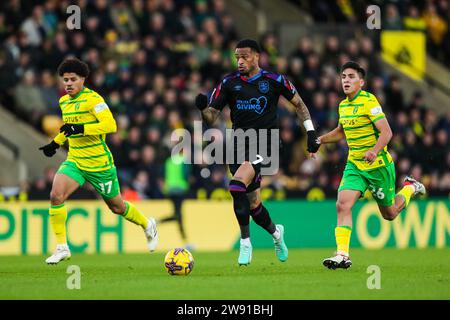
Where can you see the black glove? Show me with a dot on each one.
(70, 129)
(201, 101)
(50, 149)
(313, 141)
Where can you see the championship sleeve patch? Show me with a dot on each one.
(288, 85)
(215, 93)
(101, 106)
(376, 110)
(292, 88)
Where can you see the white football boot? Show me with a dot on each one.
(340, 260)
(281, 249)
(151, 233)
(61, 253)
(419, 188)
(245, 253)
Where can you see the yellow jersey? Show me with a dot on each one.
(88, 150)
(357, 117)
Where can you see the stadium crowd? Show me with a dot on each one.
(431, 17)
(150, 58)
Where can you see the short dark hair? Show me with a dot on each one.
(249, 43)
(74, 65)
(355, 66)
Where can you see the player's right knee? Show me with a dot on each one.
(238, 191)
(116, 209)
(343, 207)
(57, 198)
(388, 216)
(237, 188)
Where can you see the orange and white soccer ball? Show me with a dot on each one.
(179, 261)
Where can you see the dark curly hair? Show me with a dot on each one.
(355, 66)
(249, 43)
(74, 65)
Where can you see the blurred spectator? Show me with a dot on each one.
(392, 19)
(49, 92)
(176, 188)
(29, 100)
(39, 190)
(436, 26)
(413, 21)
(123, 19)
(394, 95)
(33, 27)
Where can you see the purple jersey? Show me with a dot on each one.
(253, 101)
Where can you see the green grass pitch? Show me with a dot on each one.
(405, 274)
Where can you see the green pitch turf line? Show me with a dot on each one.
(405, 274)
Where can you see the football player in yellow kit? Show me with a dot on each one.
(364, 125)
(87, 121)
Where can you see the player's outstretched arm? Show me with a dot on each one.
(330, 137)
(383, 139)
(209, 114)
(305, 117)
(333, 136)
(50, 149)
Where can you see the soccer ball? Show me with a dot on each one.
(179, 261)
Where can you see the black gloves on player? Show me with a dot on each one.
(201, 101)
(313, 141)
(50, 149)
(70, 129)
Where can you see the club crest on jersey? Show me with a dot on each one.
(263, 86)
(355, 110)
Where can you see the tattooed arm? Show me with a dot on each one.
(303, 113)
(210, 115)
(300, 108)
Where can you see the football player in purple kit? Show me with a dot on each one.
(252, 95)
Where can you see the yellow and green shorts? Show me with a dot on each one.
(105, 182)
(379, 181)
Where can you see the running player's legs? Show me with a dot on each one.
(66, 181)
(258, 212)
(254, 197)
(64, 184)
(261, 216)
(381, 183)
(116, 205)
(391, 209)
(342, 232)
(107, 184)
(352, 186)
(131, 213)
(391, 212)
(243, 174)
(345, 201)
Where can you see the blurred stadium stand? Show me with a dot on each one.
(149, 59)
